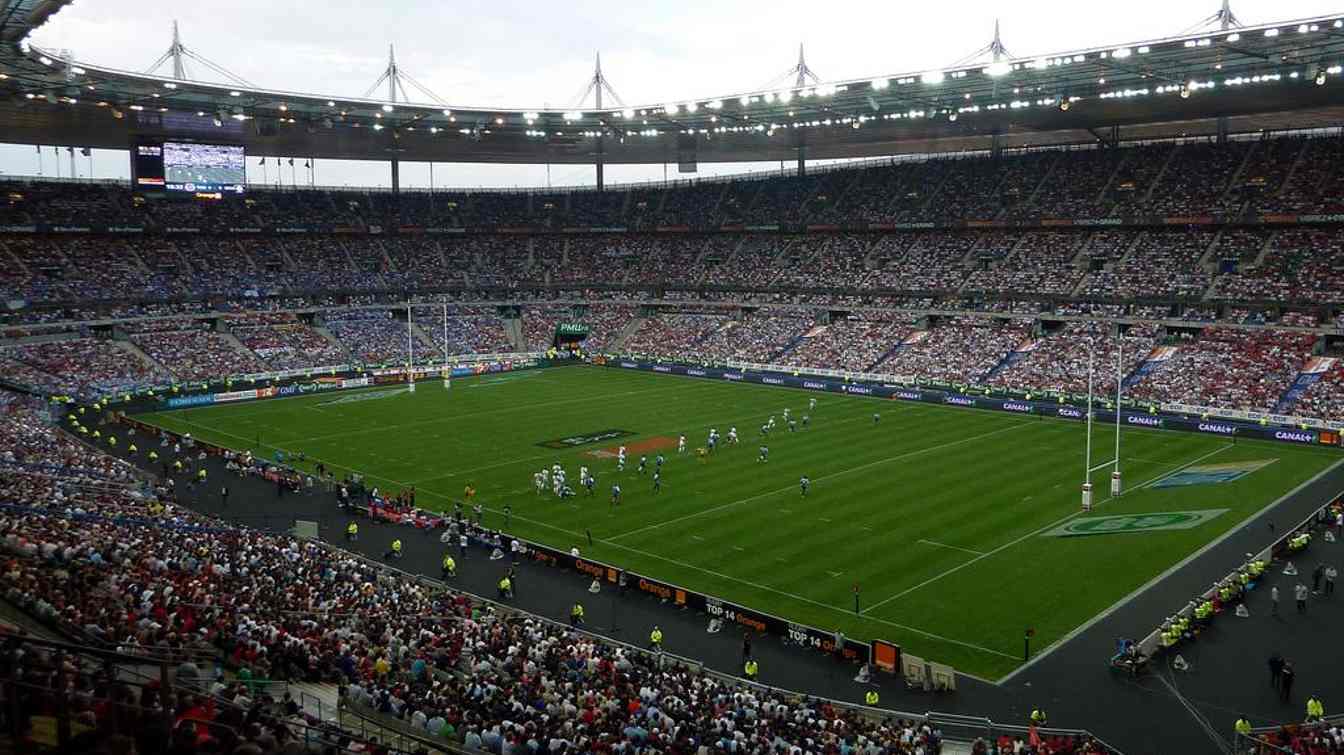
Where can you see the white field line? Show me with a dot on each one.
(833, 475)
(953, 547)
(1025, 537)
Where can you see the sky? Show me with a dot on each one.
(531, 54)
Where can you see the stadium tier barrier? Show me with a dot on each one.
(1281, 547)
(1153, 416)
(337, 377)
(1139, 220)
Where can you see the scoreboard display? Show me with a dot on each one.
(208, 171)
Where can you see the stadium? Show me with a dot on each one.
(1005, 416)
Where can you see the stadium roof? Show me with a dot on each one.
(1273, 76)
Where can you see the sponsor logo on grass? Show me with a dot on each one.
(368, 396)
(1211, 474)
(1128, 524)
(574, 441)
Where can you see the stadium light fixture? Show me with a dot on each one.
(331, 103)
(932, 77)
(670, 108)
(1320, 78)
(1185, 91)
(998, 68)
(447, 112)
(573, 115)
(785, 96)
(499, 121)
(744, 100)
(44, 60)
(387, 108)
(169, 85)
(1122, 53)
(1271, 32)
(628, 113)
(530, 116)
(1064, 105)
(1234, 37)
(283, 107)
(234, 93)
(880, 84)
(691, 106)
(714, 104)
(952, 117)
(377, 127)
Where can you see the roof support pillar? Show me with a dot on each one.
(1222, 130)
(597, 162)
(396, 176)
(802, 160)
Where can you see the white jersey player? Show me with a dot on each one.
(786, 413)
(771, 423)
(583, 475)
(811, 404)
(539, 481)
(681, 444)
(732, 435)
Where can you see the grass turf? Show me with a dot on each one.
(936, 512)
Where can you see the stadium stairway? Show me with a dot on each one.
(627, 330)
(1146, 368)
(1008, 360)
(1311, 373)
(793, 343)
(513, 327)
(148, 361)
(888, 354)
(318, 700)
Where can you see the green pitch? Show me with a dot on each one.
(946, 518)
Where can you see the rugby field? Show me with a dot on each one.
(956, 524)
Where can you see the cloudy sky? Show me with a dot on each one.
(539, 54)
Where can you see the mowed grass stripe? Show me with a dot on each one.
(778, 553)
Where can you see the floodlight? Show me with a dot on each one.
(691, 106)
(387, 108)
(1122, 53)
(1271, 32)
(786, 96)
(670, 108)
(998, 68)
(932, 77)
(880, 84)
(744, 100)
(1185, 91)
(1234, 37)
(234, 93)
(628, 113)
(1320, 78)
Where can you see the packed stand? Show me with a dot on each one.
(1246, 369)
(78, 367)
(759, 337)
(370, 336)
(959, 350)
(850, 344)
(198, 354)
(290, 345)
(1059, 361)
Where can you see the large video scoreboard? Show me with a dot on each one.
(189, 168)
